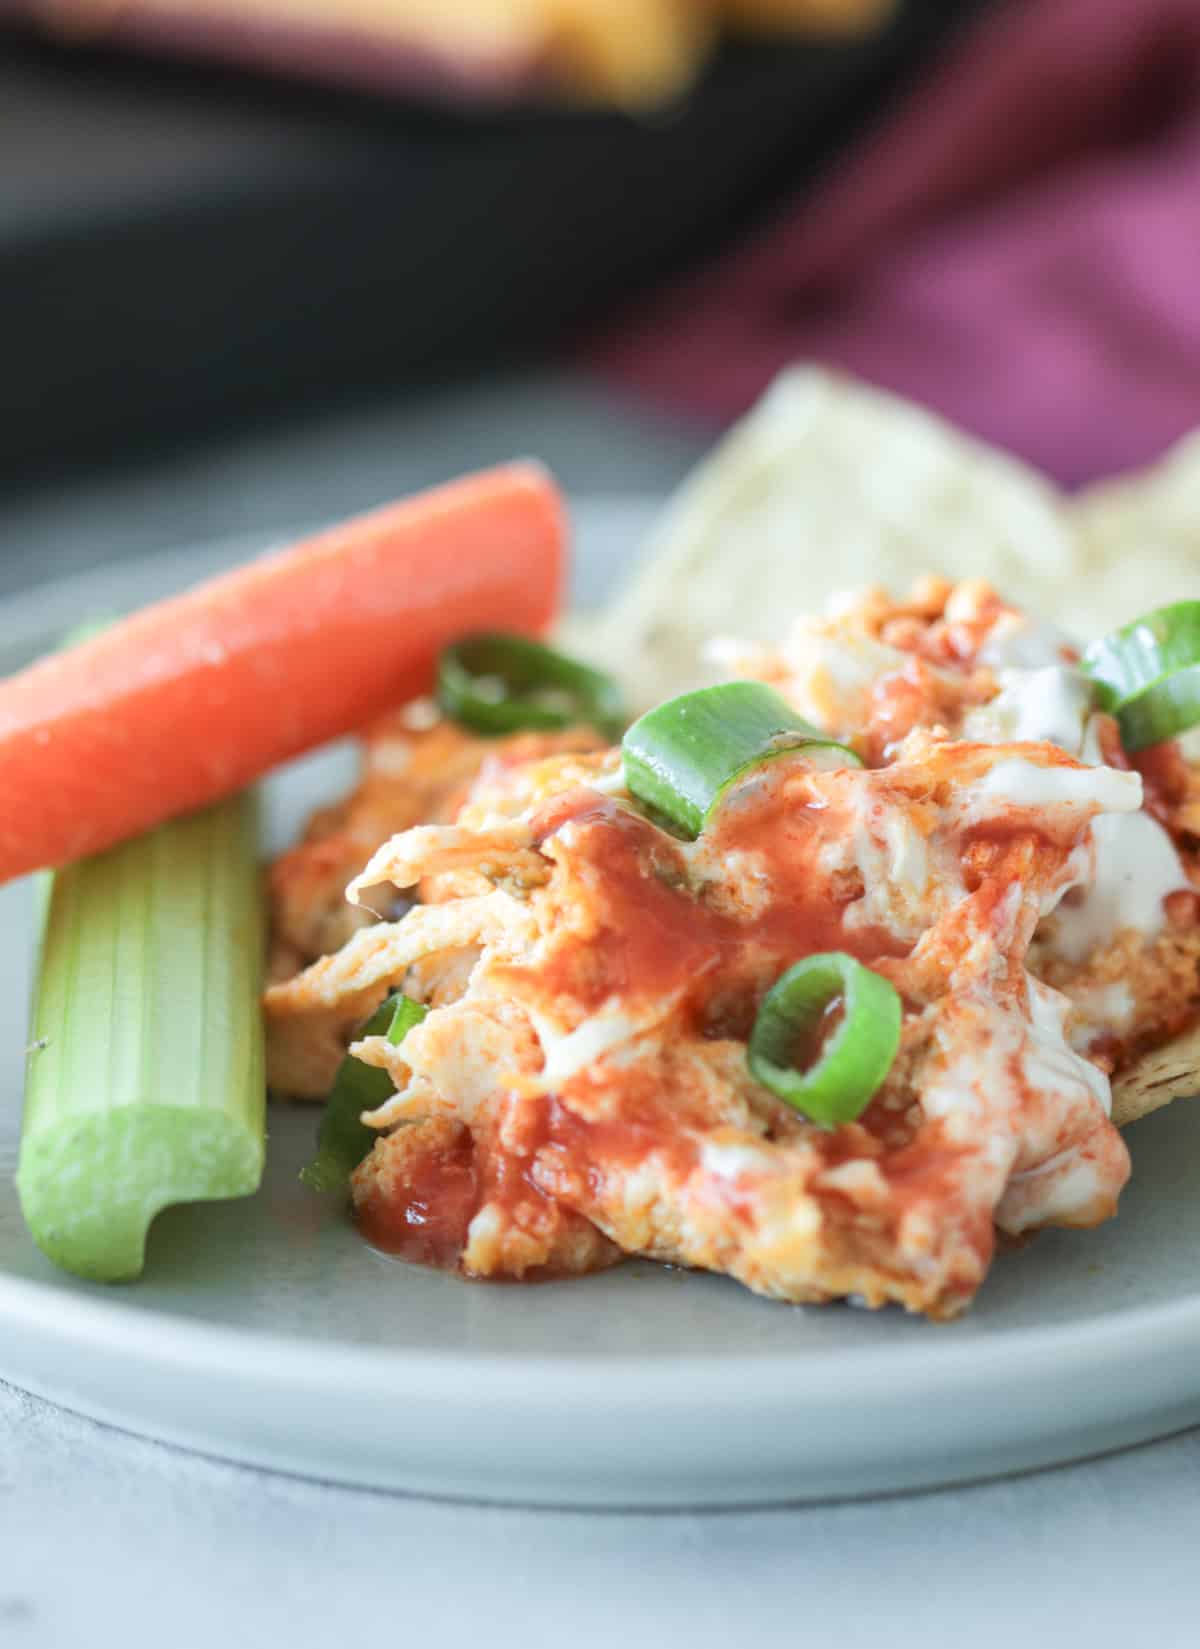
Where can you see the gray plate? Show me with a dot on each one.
(266, 1331)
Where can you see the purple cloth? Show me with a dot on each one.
(1019, 248)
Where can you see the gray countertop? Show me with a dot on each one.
(106, 1538)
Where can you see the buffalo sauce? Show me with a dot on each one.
(428, 1224)
(657, 938)
(804, 916)
(654, 937)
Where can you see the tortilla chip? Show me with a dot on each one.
(1155, 512)
(829, 484)
(1138, 538)
(1170, 1072)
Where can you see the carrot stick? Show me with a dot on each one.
(192, 698)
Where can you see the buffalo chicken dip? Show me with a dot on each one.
(823, 977)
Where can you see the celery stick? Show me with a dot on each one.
(145, 1082)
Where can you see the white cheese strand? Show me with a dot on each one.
(1135, 868)
(1033, 705)
(1049, 1062)
(1018, 783)
(1019, 643)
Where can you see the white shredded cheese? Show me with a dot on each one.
(1049, 1062)
(1020, 783)
(1033, 706)
(1068, 1184)
(909, 857)
(1106, 1008)
(1135, 867)
(1018, 643)
(831, 673)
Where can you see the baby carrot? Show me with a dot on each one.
(191, 699)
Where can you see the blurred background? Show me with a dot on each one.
(264, 262)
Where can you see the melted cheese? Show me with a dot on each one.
(1025, 784)
(909, 856)
(1049, 1063)
(1032, 706)
(1099, 1011)
(832, 668)
(1016, 642)
(893, 859)
(1131, 869)
(997, 1058)
(1135, 867)
(1060, 1187)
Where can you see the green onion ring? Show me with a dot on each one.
(854, 1058)
(1147, 674)
(682, 757)
(498, 683)
(342, 1139)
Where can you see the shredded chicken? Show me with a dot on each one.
(579, 1089)
(416, 769)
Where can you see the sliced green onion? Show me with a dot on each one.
(342, 1139)
(682, 757)
(1147, 674)
(499, 683)
(145, 1081)
(845, 1067)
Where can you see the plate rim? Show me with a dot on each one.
(1016, 1353)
